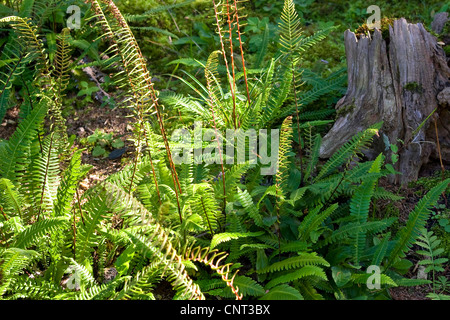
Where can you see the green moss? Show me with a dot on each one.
(364, 29)
(413, 87)
(345, 110)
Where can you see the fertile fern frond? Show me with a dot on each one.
(283, 162)
(289, 27)
(62, 62)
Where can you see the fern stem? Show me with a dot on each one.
(298, 126)
(3, 213)
(206, 215)
(440, 158)
(74, 234)
(79, 205)
(242, 50)
(233, 91)
(229, 77)
(46, 174)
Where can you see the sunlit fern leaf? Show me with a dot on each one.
(95, 211)
(12, 262)
(34, 289)
(205, 205)
(69, 183)
(37, 230)
(306, 42)
(252, 210)
(349, 150)
(227, 236)
(14, 153)
(28, 34)
(416, 220)
(46, 177)
(282, 292)
(283, 161)
(11, 200)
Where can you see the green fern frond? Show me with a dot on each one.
(227, 236)
(303, 259)
(349, 150)
(11, 200)
(306, 271)
(14, 154)
(282, 292)
(289, 26)
(416, 221)
(37, 230)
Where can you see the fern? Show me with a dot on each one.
(430, 244)
(416, 221)
(303, 259)
(283, 292)
(349, 150)
(37, 230)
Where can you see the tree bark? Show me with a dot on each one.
(397, 81)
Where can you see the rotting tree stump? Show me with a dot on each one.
(395, 80)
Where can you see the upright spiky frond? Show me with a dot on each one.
(135, 76)
(62, 62)
(289, 26)
(359, 208)
(283, 156)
